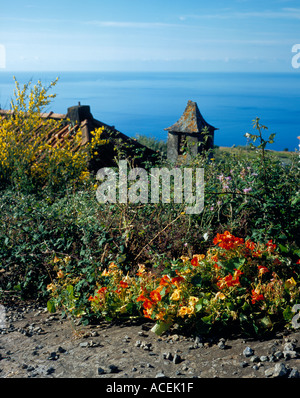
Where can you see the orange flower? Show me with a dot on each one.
(141, 298)
(249, 244)
(227, 241)
(176, 280)
(142, 270)
(60, 274)
(257, 253)
(270, 246)
(165, 280)
(148, 312)
(256, 296)
(91, 298)
(194, 262)
(262, 270)
(102, 290)
(230, 280)
(155, 296)
(147, 304)
(124, 285)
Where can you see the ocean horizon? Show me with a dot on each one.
(146, 103)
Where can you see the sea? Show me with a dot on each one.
(145, 103)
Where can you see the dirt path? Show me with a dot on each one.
(36, 344)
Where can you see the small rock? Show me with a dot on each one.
(100, 371)
(269, 372)
(264, 358)
(84, 344)
(168, 356)
(138, 343)
(280, 370)
(289, 347)
(160, 375)
(177, 359)
(222, 345)
(248, 352)
(50, 370)
(53, 356)
(254, 358)
(294, 374)
(290, 354)
(244, 364)
(112, 369)
(278, 355)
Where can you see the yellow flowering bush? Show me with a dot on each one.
(27, 160)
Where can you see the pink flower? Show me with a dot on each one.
(247, 190)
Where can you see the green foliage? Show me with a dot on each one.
(61, 233)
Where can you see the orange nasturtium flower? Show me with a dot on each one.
(102, 290)
(176, 280)
(196, 258)
(230, 280)
(141, 298)
(148, 305)
(60, 274)
(194, 262)
(155, 296)
(256, 296)
(262, 270)
(165, 280)
(249, 244)
(271, 246)
(227, 240)
(124, 285)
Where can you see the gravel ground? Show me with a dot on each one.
(36, 344)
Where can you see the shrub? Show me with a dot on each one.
(237, 285)
(27, 162)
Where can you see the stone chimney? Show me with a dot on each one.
(81, 114)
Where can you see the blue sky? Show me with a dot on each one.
(143, 35)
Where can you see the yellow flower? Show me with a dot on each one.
(192, 301)
(60, 274)
(176, 295)
(185, 311)
(105, 273)
(219, 296)
(184, 258)
(51, 287)
(161, 315)
(289, 283)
